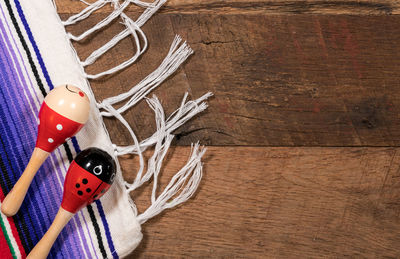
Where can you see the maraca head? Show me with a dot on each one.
(70, 102)
(90, 175)
(63, 113)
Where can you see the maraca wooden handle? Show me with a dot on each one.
(42, 249)
(14, 199)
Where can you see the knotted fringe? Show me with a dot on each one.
(162, 138)
(186, 111)
(132, 28)
(85, 12)
(175, 57)
(118, 9)
(185, 182)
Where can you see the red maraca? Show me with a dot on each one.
(63, 113)
(89, 176)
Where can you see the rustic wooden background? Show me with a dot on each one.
(303, 131)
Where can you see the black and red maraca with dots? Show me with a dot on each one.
(89, 176)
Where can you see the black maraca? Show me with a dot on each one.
(89, 176)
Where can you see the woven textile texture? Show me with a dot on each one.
(35, 56)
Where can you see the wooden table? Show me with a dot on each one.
(303, 131)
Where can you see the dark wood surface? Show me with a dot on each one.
(304, 127)
(278, 80)
(359, 7)
(264, 202)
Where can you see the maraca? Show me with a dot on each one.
(63, 113)
(89, 176)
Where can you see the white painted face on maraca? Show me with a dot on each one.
(70, 102)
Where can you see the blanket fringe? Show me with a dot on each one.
(86, 12)
(118, 9)
(177, 54)
(133, 28)
(185, 112)
(185, 182)
(187, 178)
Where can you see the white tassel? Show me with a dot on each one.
(163, 142)
(85, 12)
(162, 138)
(116, 13)
(86, 3)
(132, 29)
(186, 180)
(155, 162)
(186, 111)
(176, 56)
(143, 4)
(118, 116)
(152, 8)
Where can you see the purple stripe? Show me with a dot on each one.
(87, 229)
(28, 137)
(36, 110)
(79, 227)
(106, 229)
(16, 131)
(33, 122)
(19, 54)
(11, 129)
(50, 84)
(25, 237)
(38, 56)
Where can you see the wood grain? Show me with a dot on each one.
(278, 80)
(259, 202)
(360, 7)
(317, 78)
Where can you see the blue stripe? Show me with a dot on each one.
(76, 145)
(19, 151)
(12, 147)
(16, 132)
(105, 223)
(47, 167)
(51, 86)
(34, 203)
(35, 47)
(101, 211)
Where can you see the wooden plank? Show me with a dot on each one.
(360, 7)
(302, 80)
(257, 202)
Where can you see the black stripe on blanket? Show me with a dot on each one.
(26, 48)
(97, 230)
(27, 242)
(66, 145)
